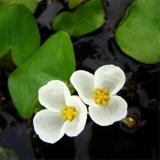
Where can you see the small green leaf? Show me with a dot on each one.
(19, 34)
(54, 60)
(85, 19)
(74, 3)
(30, 4)
(138, 34)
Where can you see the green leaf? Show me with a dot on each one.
(138, 34)
(30, 4)
(85, 19)
(74, 3)
(54, 60)
(19, 34)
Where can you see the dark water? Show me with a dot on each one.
(118, 141)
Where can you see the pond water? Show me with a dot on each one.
(118, 141)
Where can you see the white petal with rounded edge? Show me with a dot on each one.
(83, 82)
(117, 108)
(100, 115)
(75, 127)
(111, 77)
(52, 95)
(48, 125)
(107, 115)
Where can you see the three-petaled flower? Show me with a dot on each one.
(99, 92)
(64, 114)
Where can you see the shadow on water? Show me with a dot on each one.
(118, 141)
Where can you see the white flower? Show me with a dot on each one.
(99, 92)
(64, 114)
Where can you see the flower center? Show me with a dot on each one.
(68, 113)
(101, 96)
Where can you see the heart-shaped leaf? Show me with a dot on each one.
(19, 34)
(85, 19)
(54, 60)
(30, 4)
(138, 34)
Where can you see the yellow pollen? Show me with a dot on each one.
(101, 96)
(68, 113)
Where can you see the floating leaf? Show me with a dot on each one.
(30, 4)
(19, 34)
(85, 19)
(138, 34)
(54, 60)
(74, 3)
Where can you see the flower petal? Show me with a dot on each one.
(100, 115)
(52, 95)
(107, 115)
(117, 108)
(83, 82)
(49, 126)
(111, 77)
(76, 126)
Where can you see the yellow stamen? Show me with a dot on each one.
(68, 113)
(101, 96)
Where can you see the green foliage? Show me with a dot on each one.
(85, 19)
(19, 34)
(74, 3)
(138, 34)
(6, 154)
(54, 60)
(30, 4)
